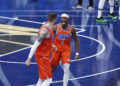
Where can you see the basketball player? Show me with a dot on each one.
(42, 48)
(62, 42)
(100, 9)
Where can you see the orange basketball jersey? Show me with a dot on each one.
(62, 38)
(44, 48)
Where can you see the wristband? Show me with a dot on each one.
(77, 54)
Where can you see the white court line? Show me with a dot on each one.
(92, 75)
(35, 22)
(14, 51)
(22, 20)
(103, 49)
(88, 57)
(71, 60)
(87, 76)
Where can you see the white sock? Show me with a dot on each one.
(111, 3)
(99, 13)
(66, 74)
(39, 83)
(47, 82)
(100, 7)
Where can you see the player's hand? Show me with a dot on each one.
(28, 62)
(76, 57)
(54, 48)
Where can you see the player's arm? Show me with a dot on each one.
(42, 35)
(76, 42)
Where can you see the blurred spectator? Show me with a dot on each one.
(79, 4)
(100, 19)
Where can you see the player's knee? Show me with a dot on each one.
(66, 68)
(50, 80)
(66, 71)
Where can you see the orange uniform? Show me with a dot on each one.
(62, 42)
(42, 55)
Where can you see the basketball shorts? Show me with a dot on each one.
(58, 56)
(44, 67)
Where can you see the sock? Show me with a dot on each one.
(100, 7)
(111, 3)
(39, 83)
(66, 74)
(99, 13)
(47, 82)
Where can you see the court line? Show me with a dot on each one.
(91, 75)
(78, 77)
(34, 21)
(22, 20)
(15, 51)
(103, 49)
(13, 42)
(87, 76)
(4, 34)
(79, 35)
(88, 57)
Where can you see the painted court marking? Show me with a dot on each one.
(103, 48)
(74, 60)
(77, 34)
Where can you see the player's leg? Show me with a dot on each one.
(65, 59)
(79, 4)
(111, 15)
(47, 66)
(40, 82)
(66, 74)
(90, 7)
(47, 82)
(48, 79)
(55, 59)
(41, 70)
(100, 9)
(117, 2)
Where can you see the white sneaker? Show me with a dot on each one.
(78, 6)
(90, 8)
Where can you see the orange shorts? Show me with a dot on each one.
(58, 56)
(44, 67)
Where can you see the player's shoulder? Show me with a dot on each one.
(43, 28)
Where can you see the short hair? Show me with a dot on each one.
(52, 16)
